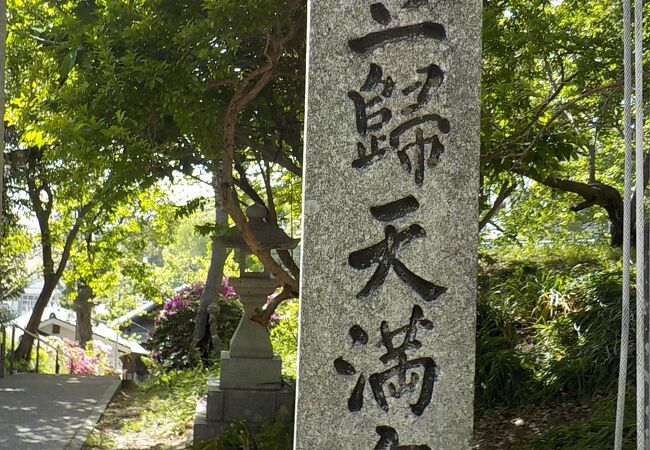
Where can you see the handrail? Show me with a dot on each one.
(38, 344)
(39, 339)
(35, 336)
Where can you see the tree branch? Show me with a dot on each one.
(243, 184)
(263, 316)
(597, 193)
(539, 110)
(507, 188)
(618, 84)
(270, 154)
(244, 94)
(72, 234)
(586, 93)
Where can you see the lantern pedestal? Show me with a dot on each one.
(222, 407)
(250, 373)
(250, 363)
(250, 384)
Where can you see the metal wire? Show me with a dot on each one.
(627, 194)
(640, 226)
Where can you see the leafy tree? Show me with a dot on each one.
(110, 254)
(14, 276)
(3, 52)
(6, 315)
(73, 171)
(186, 256)
(552, 106)
(174, 72)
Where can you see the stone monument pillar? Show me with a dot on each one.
(249, 387)
(388, 299)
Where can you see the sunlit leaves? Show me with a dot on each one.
(551, 95)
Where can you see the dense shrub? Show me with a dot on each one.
(271, 436)
(545, 330)
(502, 375)
(595, 433)
(92, 360)
(584, 343)
(171, 339)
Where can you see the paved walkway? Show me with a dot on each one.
(51, 412)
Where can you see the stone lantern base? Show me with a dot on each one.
(250, 373)
(255, 406)
(250, 386)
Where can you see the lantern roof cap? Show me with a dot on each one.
(268, 234)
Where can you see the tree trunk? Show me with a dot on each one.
(246, 91)
(214, 279)
(51, 276)
(83, 309)
(3, 52)
(24, 349)
(600, 194)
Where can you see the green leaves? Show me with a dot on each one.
(551, 94)
(85, 11)
(191, 207)
(68, 63)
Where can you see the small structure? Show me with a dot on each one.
(250, 386)
(61, 323)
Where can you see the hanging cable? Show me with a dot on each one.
(640, 226)
(627, 194)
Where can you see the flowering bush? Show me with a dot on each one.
(93, 360)
(171, 339)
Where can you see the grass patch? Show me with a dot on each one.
(565, 423)
(238, 436)
(154, 416)
(595, 433)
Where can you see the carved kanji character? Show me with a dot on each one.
(435, 77)
(343, 367)
(403, 377)
(389, 440)
(402, 384)
(384, 253)
(381, 15)
(372, 120)
(365, 116)
(419, 144)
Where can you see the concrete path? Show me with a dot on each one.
(51, 412)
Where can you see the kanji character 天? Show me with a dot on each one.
(384, 253)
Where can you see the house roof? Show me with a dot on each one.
(137, 312)
(67, 319)
(49, 312)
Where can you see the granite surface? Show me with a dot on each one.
(423, 296)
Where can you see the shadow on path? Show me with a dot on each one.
(51, 412)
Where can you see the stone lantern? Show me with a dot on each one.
(250, 385)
